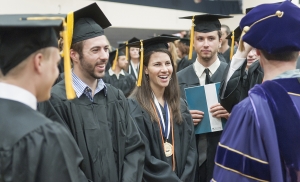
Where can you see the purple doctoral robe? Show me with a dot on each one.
(261, 140)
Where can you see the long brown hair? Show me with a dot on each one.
(143, 94)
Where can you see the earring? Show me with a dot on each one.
(147, 77)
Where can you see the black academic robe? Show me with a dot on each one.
(34, 149)
(185, 62)
(226, 55)
(107, 137)
(126, 83)
(240, 83)
(188, 78)
(157, 166)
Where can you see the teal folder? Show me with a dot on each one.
(202, 98)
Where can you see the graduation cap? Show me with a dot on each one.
(185, 41)
(113, 57)
(148, 45)
(272, 27)
(204, 23)
(121, 44)
(169, 35)
(22, 35)
(86, 23)
(133, 39)
(234, 35)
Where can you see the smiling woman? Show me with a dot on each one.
(164, 121)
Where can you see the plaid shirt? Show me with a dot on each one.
(81, 88)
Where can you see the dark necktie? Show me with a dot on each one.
(207, 78)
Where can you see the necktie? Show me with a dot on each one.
(88, 93)
(207, 78)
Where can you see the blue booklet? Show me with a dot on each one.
(202, 98)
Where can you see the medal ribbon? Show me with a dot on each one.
(165, 125)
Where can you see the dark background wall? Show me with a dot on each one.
(205, 6)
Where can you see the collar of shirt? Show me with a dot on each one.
(15, 93)
(79, 86)
(199, 68)
(111, 73)
(289, 74)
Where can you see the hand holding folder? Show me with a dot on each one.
(202, 98)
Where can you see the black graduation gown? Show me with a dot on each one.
(185, 62)
(240, 83)
(107, 137)
(157, 167)
(188, 78)
(126, 83)
(33, 148)
(226, 55)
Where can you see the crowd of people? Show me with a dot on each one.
(121, 114)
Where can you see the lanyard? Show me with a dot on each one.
(134, 70)
(165, 125)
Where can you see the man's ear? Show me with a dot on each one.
(38, 62)
(74, 55)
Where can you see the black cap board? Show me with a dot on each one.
(237, 33)
(21, 35)
(207, 22)
(89, 22)
(148, 45)
(185, 41)
(159, 42)
(112, 55)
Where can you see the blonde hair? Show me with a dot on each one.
(172, 49)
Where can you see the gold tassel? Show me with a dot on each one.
(70, 93)
(192, 38)
(70, 27)
(126, 51)
(139, 82)
(278, 13)
(232, 45)
(115, 60)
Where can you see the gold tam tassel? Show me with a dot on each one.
(192, 38)
(126, 51)
(139, 82)
(232, 45)
(70, 93)
(115, 60)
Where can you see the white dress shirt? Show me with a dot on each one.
(15, 93)
(111, 73)
(199, 69)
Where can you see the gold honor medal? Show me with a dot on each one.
(168, 149)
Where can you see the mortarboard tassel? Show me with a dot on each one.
(67, 36)
(70, 93)
(232, 45)
(139, 81)
(279, 14)
(192, 38)
(126, 51)
(115, 60)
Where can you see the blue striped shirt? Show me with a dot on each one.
(81, 88)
